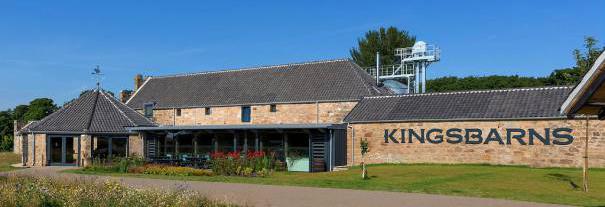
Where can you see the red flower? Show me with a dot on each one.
(217, 155)
(233, 155)
(255, 154)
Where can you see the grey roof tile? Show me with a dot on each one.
(93, 112)
(332, 80)
(489, 104)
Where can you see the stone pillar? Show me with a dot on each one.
(85, 150)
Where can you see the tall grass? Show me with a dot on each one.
(7, 159)
(39, 191)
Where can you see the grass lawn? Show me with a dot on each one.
(7, 159)
(546, 185)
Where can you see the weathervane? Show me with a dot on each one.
(97, 73)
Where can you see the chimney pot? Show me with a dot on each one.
(138, 81)
(125, 95)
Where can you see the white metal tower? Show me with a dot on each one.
(412, 66)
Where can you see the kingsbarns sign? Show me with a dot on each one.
(546, 136)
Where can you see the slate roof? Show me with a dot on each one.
(93, 112)
(469, 105)
(331, 80)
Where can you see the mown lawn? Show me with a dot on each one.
(546, 185)
(7, 159)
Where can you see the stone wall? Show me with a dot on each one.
(135, 145)
(537, 155)
(36, 155)
(18, 143)
(307, 113)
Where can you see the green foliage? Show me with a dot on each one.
(384, 41)
(6, 123)
(39, 108)
(6, 144)
(363, 144)
(254, 163)
(452, 83)
(560, 77)
(170, 170)
(118, 164)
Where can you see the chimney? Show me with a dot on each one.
(125, 95)
(138, 81)
(16, 126)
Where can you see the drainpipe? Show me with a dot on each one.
(317, 112)
(585, 167)
(34, 149)
(349, 126)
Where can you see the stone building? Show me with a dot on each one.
(91, 127)
(312, 116)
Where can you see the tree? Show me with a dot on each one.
(364, 150)
(39, 108)
(19, 112)
(584, 61)
(6, 122)
(561, 77)
(384, 41)
(6, 144)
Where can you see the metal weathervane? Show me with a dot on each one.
(97, 73)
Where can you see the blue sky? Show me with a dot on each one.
(48, 49)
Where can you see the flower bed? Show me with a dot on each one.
(251, 164)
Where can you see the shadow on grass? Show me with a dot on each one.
(564, 178)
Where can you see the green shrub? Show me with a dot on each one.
(174, 171)
(253, 163)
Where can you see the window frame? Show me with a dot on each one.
(146, 113)
(179, 112)
(273, 108)
(246, 117)
(207, 111)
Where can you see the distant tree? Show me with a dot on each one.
(6, 122)
(19, 112)
(584, 61)
(561, 77)
(40, 108)
(452, 83)
(6, 144)
(384, 41)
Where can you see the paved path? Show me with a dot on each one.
(268, 195)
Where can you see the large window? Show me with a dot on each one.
(246, 112)
(148, 110)
(107, 148)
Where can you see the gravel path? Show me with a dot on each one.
(268, 195)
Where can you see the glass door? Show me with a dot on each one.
(62, 150)
(56, 150)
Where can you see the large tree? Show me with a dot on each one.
(384, 41)
(39, 108)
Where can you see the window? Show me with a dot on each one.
(178, 112)
(148, 110)
(208, 111)
(273, 108)
(246, 113)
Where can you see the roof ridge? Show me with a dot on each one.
(473, 91)
(94, 111)
(365, 84)
(252, 68)
(120, 110)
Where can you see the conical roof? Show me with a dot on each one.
(93, 112)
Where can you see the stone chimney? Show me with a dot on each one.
(138, 81)
(16, 126)
(125, 95)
